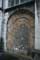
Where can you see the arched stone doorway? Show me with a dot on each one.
(20, 30)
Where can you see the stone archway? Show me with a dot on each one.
(20, 29)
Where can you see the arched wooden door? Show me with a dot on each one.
(20, 29)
